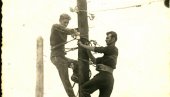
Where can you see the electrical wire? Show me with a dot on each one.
(125, 7)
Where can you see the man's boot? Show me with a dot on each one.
(74, 77)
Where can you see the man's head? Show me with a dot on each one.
(64, 19)
(111, 37)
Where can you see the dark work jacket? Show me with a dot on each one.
(58, 37)
(110, 55)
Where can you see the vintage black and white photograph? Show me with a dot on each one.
(85, 48)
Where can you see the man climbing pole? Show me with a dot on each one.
(105, 65)
(58, 39)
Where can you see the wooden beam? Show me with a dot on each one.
(82, 54)
(39, 68)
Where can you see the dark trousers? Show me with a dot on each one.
(103, 81)
(62, 64)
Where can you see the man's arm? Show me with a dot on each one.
(86, 46)
(69, 31)
(89, 49)
(74, 33)
(93, 59)
(66, 30)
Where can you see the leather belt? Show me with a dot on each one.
(102, 67)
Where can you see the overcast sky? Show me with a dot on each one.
(143, 41)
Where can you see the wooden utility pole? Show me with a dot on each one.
(39, 68)
(82, 54)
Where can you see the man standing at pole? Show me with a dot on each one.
(105, 65)
(58, 39)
